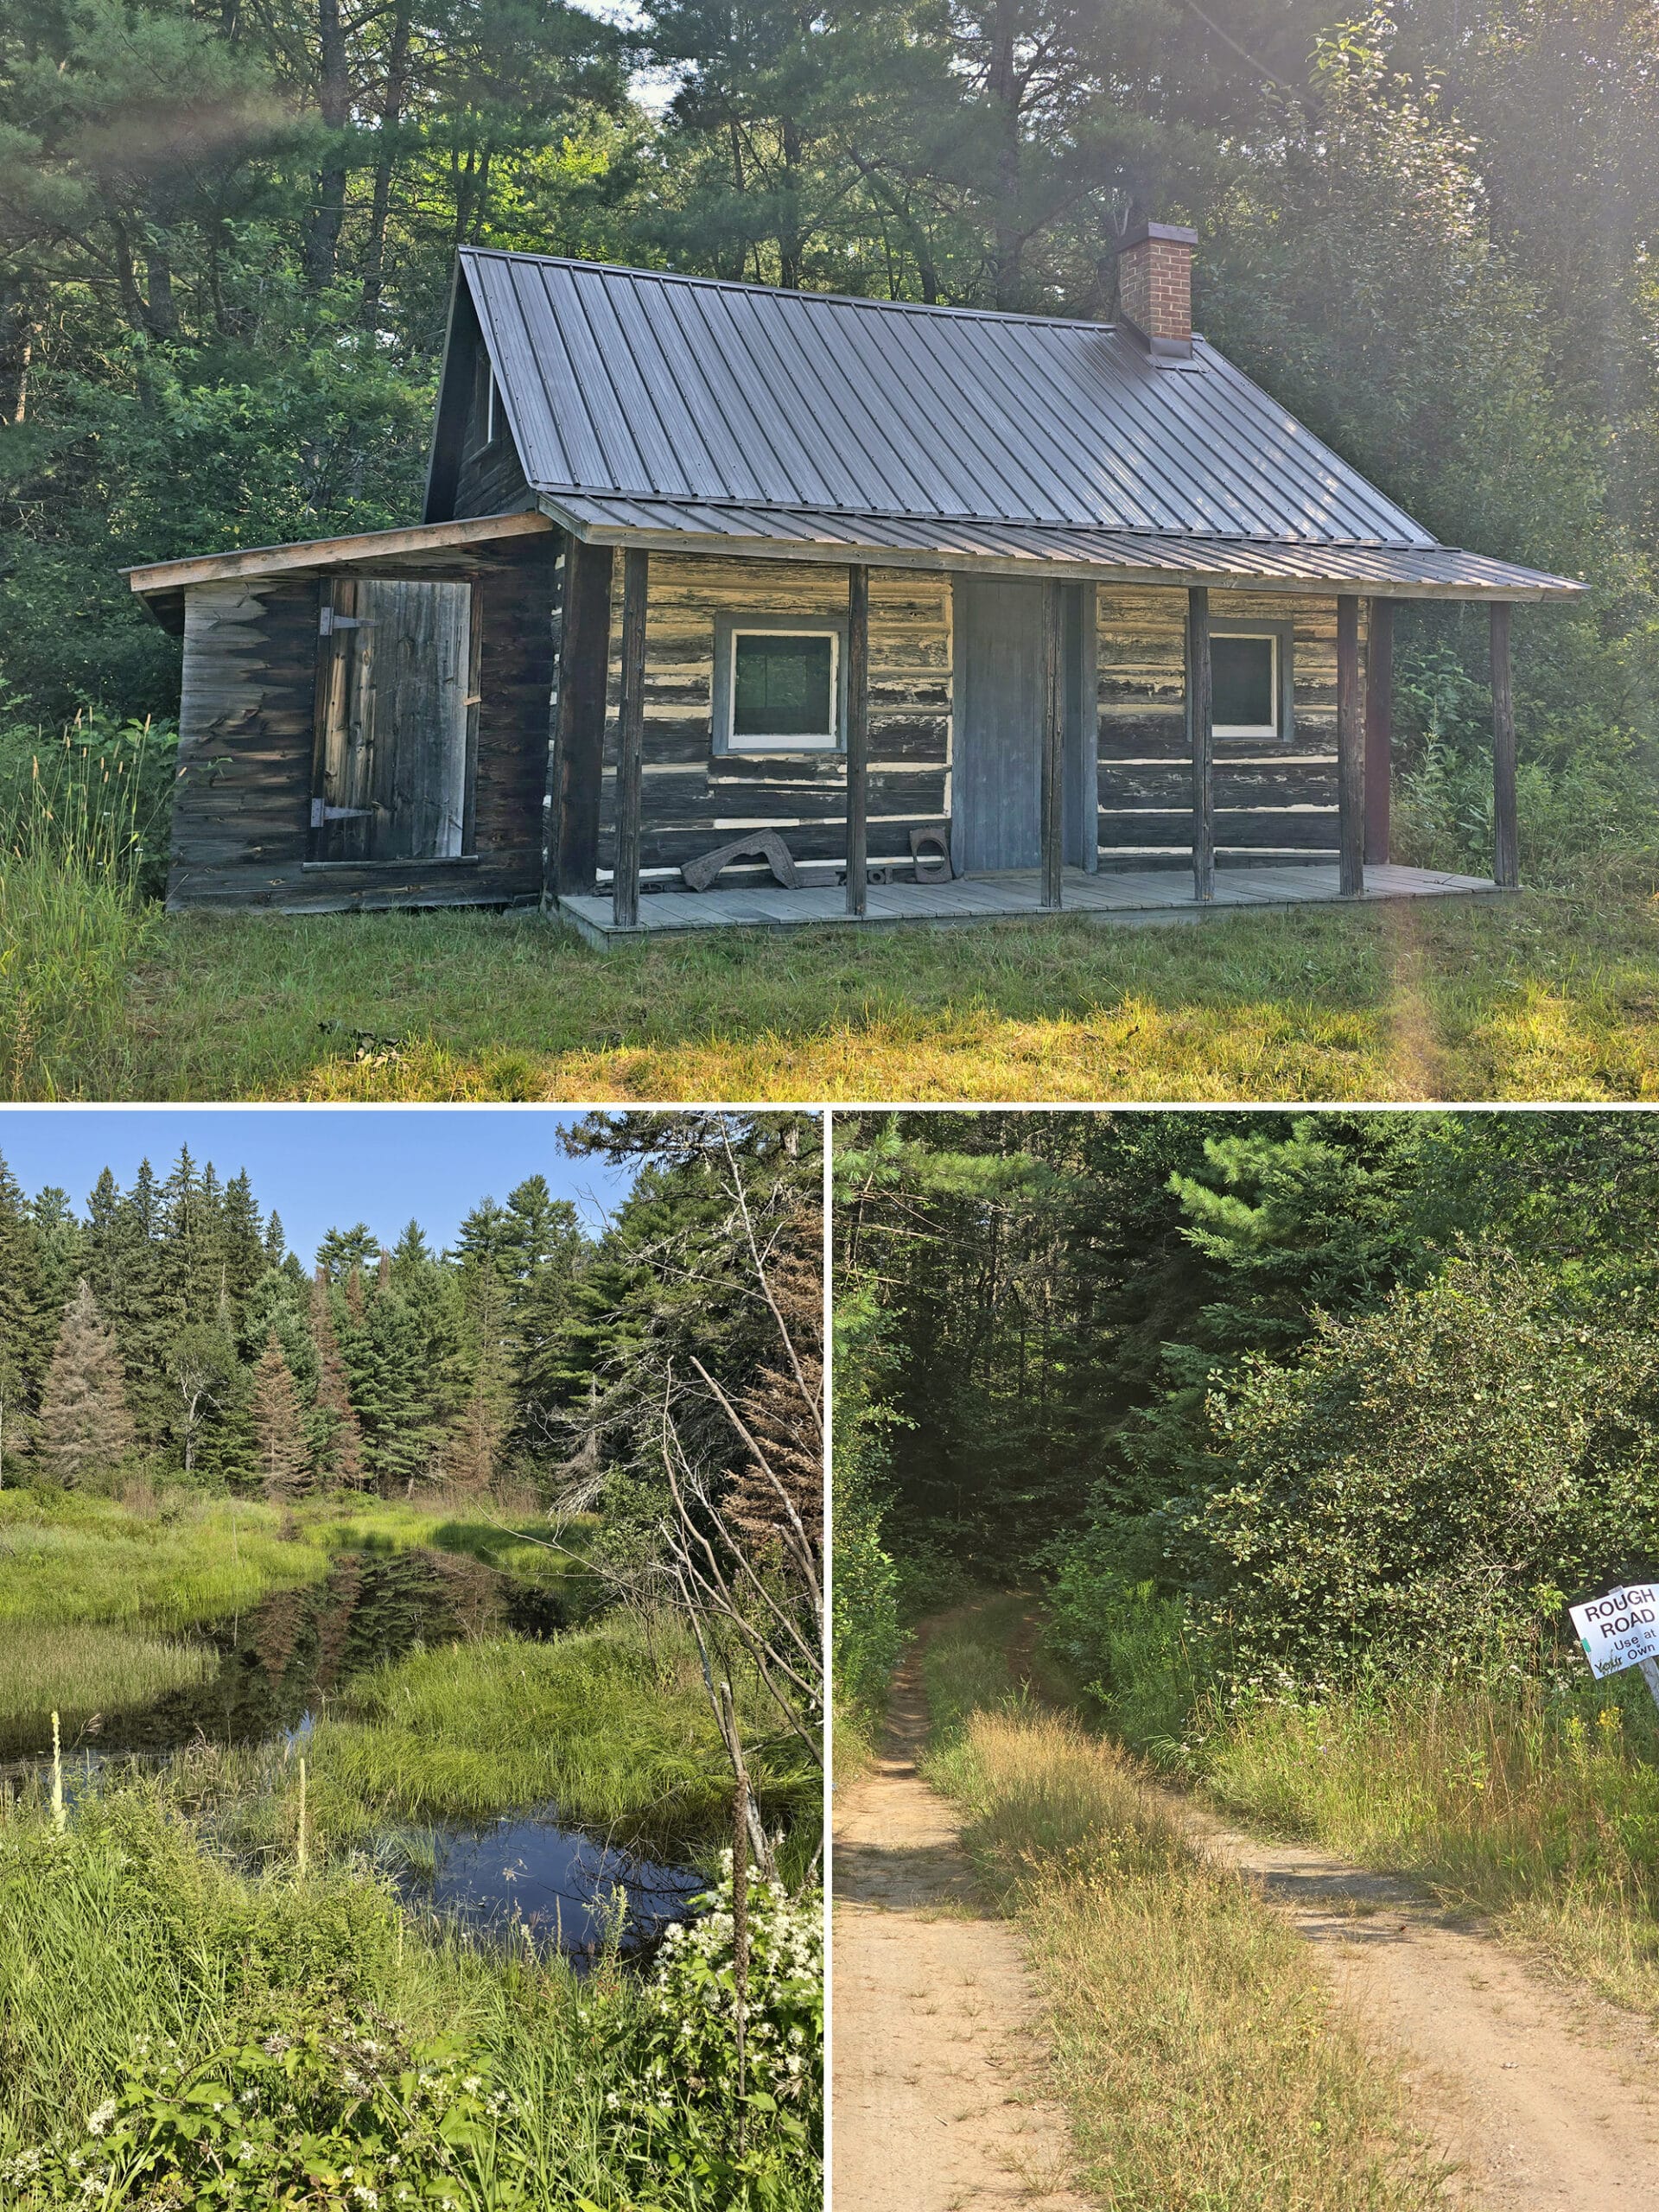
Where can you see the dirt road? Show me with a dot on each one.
(938, 2031)
(1543, 2098)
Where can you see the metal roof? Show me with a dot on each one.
(660, 386)
(795, 533)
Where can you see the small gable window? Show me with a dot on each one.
(1248, 683)
(777, 685)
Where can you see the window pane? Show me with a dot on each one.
(1243, 682)
(782, 687)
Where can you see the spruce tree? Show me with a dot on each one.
(85, 1427)
(340, 1445)
(25, 1318)
(281, 1452)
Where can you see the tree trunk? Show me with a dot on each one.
(323, 242)
(17, 352)
(1003, 86)
(392, 114)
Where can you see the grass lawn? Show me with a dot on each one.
(1539, 996)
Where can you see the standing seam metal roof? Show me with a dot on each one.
(650, 385)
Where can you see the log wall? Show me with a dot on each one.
(241, 824)
(694, 798)
(1274, 798)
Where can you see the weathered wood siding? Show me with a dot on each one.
(694, 798)
(241, 824)
(1272, 796)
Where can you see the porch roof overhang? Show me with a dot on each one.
(1293, 567)
(161, 584)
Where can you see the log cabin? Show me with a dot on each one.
(739, 604)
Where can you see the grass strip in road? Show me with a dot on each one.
(1196, 2046)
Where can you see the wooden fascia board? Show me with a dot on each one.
(330, 552)
(451, 407)
(713, 543)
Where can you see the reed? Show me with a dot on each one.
(80, 825)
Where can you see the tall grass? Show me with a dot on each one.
(1196, 2048)
(610, 1724)
(124, 1929)
(1538, 1807)
(82, 827)
(82, 1673)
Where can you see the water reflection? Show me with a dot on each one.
(524, 1878)
(279, 1660)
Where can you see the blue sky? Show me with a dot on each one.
(321, 1167)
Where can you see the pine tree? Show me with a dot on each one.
(340, 1455)
(84, 1425)
(25, 1318)
(282, 1455)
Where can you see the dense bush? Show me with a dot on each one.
(1434, 1477)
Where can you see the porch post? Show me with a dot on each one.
(1506, 858)
(584, 660)
(1201, 716)
(1351, 752)
(1379, 729)
(858, 738)
(630, 741)
(1053, 785)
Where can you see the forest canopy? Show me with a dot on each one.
(1333, 1391)
(227, 232)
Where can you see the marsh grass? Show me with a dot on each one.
(88, 1672)
(1196, 2047)
(68, 1558)
(611, 1725)
(124, 1929)
(1533, 1803)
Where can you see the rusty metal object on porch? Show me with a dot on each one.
(937, 857)
(766, 845)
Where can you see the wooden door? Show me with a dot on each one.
(997, 768)
(393, 759)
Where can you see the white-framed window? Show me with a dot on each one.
(779, 683)
(1246, 680)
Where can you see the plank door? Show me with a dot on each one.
(997, 783)
(997, 767)
(393, 753)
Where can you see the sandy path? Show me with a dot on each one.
(1546, 2098)
(938, 2108)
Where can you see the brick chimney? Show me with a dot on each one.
(1154, 288)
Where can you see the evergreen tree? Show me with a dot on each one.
(25, 1318)
(84, 1426)
(281, 1450)
(346, 1252)
(339, 1444)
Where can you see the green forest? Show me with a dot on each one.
(166, 1334)
(1213, 1472)
(226, 234)
(411, 1692)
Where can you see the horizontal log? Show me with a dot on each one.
(1289, 828)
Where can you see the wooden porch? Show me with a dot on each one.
(1147, 895)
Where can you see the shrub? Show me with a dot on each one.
(682, 2110)
(1434, 1477)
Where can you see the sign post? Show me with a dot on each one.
(1620, 1631)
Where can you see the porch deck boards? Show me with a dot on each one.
(1152, 894)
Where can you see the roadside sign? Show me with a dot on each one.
(1621, 1629)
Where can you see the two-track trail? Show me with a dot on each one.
(1541, 2097)
(938, 2031)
